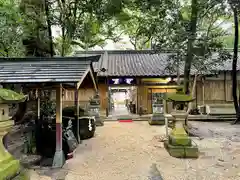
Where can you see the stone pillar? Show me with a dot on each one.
(59, 158)
(9, 167)
(94, 110)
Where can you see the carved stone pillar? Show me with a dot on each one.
(9, 167)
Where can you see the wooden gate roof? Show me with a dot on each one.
(44, 70)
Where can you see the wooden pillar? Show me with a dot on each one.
(77, 112)
(38, 103)
(225, 87)
(203, 91)
(108, 98)
(59, 158)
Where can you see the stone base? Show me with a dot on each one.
(157, 119)
(99, 123)
(23, 175)
(182, 151)
(180, 140)
(154, 122)
(58, 160)
(9, 168)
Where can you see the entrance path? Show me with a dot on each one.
(133, 151)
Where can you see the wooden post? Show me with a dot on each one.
(59, 158)
(225, 87)
(77, 113)
(203, 91)
(38, 103)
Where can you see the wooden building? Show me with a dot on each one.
(150, 77)
(53, 74)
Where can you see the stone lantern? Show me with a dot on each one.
(94, 108)
(9, 167)
(179, 144)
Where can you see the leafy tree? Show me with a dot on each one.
(10, 29)
(194, 45)
(35, 28)
(142, 19)
(235, 6)
(85, 23)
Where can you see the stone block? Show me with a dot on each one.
(191, 151)
(154, 122)
(9, 168)
(180, 140)
(99, 123)
(157, 119)
(182, 151)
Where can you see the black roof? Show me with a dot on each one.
(130, 62)
(43, 70)
(142, 63)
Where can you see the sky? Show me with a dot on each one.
(121, 45)
(125, 44)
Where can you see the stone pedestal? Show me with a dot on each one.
(94, 110)
(158, 115)
(9, 167)
(179, 144)
(157, 119)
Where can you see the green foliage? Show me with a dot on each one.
(10, 29)
(48, 108)
(144, 20)
(206, 42)
(36, 38)
(86, 23)
(66, 44)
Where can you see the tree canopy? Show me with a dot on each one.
(150, 24)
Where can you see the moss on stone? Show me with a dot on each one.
(179, 97)
(178, 132)
(9, 167)
(9, 96)
(178, 136)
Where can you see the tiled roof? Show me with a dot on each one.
(27, 70)
(130, 63)
(140, 63)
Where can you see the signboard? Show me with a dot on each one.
(118, 90)
(122, 81)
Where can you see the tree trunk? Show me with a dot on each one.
(63, 42)
(49, 28)
(234, 64)
(193, 95)
(191, 38)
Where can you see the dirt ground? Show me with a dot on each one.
(133, 151)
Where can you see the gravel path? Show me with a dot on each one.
(133, 151)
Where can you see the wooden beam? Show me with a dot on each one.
(59, 158)
(203, 91)
(77, 112)
(225, 87)
(83, 77)
(93, 79)
(38, 103)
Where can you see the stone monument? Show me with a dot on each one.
(158, 110)
(94, 109)
(9, 167)
(158, 115)
(179, 144)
